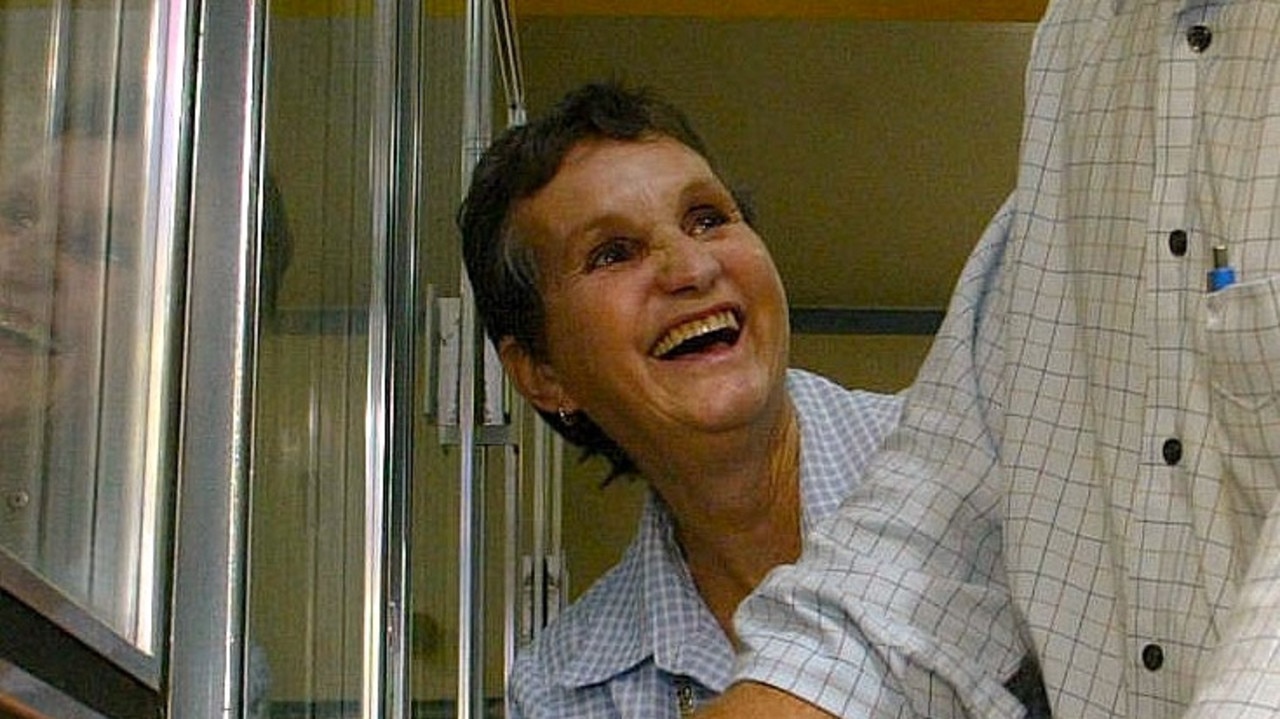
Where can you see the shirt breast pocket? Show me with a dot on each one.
(1243, 339)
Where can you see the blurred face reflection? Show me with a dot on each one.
(62, 245)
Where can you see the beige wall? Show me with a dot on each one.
(876, 151)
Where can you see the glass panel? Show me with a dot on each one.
(308, 507)
(435, 526)
(308, 504)
(84, 319)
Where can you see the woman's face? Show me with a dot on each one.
(54, 265)
(665, 313)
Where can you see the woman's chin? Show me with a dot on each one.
(733, 404)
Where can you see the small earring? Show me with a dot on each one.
(567, 418)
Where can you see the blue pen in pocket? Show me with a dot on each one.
(1223, 274)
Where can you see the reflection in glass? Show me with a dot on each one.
(82, 405)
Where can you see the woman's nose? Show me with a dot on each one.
(687, 263)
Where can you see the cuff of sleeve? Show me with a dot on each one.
(866, 668)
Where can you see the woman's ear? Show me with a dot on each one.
(535, 379)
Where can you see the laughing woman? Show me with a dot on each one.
(635, 307)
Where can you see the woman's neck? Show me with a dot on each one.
(737, 524)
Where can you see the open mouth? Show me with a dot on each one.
(719, 329)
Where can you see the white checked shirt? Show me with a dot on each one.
(1090, 413)
(641, 643)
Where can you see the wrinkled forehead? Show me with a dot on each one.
(607, 176)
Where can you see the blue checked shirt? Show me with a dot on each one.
(1095, 435)
(640, 642)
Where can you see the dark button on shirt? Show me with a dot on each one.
(1199, 37)
(1172, 451)
(1178, 243)
(1152, 657)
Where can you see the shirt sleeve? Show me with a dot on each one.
(899, 605)
(527, 688)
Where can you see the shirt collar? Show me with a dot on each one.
(825, 439)
(658, 601)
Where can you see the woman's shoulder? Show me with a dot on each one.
(841, 431)
(814, 394)
(593, 636)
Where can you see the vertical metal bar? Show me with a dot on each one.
(557, 493)
(476, 113)
(512, 472)
(112, 582)
(469, 525)
(206, 665)
(168, 140)
(56, 68)
(374, 669)
(556, 540)
(508, 53)
(541, 443)
(510, 66)
(393, 152)
(406, 156)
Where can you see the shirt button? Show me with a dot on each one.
(1172, 451)
(1178, 243)
(1152, 657)
(1199, 37)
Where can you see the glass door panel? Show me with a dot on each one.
(307, 568)
(437, 491)
(376, 525)
(87, 248)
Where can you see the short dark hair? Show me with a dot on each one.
(518, 164)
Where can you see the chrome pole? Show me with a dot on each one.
(206, 665)
(475, 137)
(508, 52)
(511, 69)
(513, 473)
(377, 402)
(405, 311)
(541, 461)
(393, 152)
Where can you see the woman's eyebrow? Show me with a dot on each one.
(703, 187)
(595, 224)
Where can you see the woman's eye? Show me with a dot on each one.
(705, 219)
(611, 252)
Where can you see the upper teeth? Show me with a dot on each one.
(687, 331)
